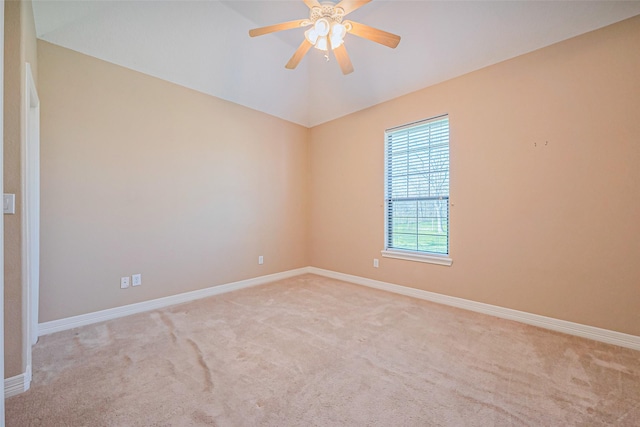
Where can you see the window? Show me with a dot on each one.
(417, 191)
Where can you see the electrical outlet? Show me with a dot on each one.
(260, 260)
(375, 263)
(124, 282)
(136, 280)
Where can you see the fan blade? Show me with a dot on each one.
(279, 27)
(312, 3)
(373, 34)
(343, 59)
(299, 54)
(350, 5)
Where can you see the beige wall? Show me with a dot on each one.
(548, 229)
(143, 176)
(20, 47)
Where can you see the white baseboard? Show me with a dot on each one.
(577, 329)
(46, 328)
(18, 384)
(571, 328)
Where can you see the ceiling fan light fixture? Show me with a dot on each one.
(335, 42)
(322, 26)
(311, 35)
(338, 30)
(322, 43)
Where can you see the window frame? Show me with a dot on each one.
(406, 254)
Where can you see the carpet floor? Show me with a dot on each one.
(312, 351)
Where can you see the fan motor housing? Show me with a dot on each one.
(327, 10)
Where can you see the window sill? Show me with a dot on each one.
(417, 256)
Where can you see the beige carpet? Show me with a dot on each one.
(311, 351)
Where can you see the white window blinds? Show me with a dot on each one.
(417, 186)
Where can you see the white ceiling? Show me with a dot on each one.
(204, 45)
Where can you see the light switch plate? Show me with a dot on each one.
(9, 203)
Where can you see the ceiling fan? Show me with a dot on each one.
(328, 29)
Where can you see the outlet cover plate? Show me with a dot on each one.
(136, 280)
(124, 282)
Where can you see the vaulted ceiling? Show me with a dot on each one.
(204, 45)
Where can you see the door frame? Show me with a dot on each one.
(2, 222)
(30, 215)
